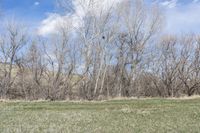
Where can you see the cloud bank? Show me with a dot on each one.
(183, 18)
(180, 17)
(51, 23)
(170, 3)
(81, 8)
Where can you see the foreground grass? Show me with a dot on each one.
(117, 116)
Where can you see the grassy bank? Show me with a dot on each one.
(146, 115)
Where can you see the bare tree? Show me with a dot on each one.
(189, 70)
(170, 64)
(113, 49)
(12, 44)
(139, 30)
(61, 61)
(32, 72)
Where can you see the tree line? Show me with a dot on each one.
(118, 52)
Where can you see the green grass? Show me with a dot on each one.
(117, 116)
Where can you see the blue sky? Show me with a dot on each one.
(181, 15)
(28, 9)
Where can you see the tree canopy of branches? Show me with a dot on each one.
(111, 51)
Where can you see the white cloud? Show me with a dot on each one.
(169, 3)
(52, 23)
(183, 19)
(95, 7)
(36, 3)
(179, 17)
(195, 1)
(81, 7)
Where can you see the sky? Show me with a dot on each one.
(30, 12)
(181, 15)
(35, 10)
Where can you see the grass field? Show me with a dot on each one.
(116, 116)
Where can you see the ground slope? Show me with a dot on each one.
(117, 116)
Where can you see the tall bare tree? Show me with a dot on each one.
(12, 44)
(189, 70)
(138, 33)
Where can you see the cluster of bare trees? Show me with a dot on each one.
(117, 52)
